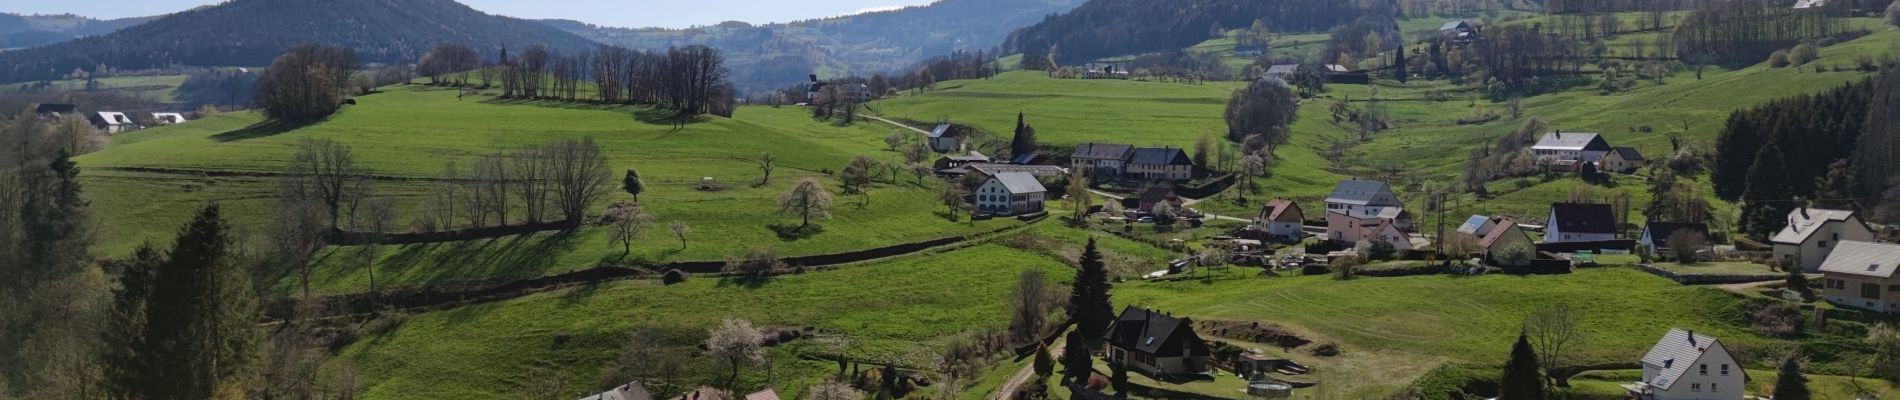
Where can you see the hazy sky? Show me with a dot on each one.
(622, 13)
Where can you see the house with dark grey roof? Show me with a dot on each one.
(1623, 160)
(1458, 30)
(1477, 225)
(1686, 365)
(54, 110)
(1101, 159)
(1010, 193)
(1861, 274)
(1570, 146)
(1812, 233)
(1357, 210)
(1156, 343)
(1579, 222)
(1165, 163)
(944, 139)
(953, 161)
(1656, 235)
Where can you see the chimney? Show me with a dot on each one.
(1692, 337)
(1804, 213)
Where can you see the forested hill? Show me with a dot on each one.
(252, 32)
(34, 30)
(774, 54)
(1105, 28)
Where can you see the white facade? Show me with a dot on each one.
(1554, 233)
(1688, 366)
(997, 195)
(1811, 235)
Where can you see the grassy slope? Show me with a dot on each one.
(898, 311)
(1408, 321)
(412, 132)
(158, 88)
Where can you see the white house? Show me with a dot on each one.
(629, 391)
(112, 122)
(943, 139)
(1811, 233)
(1688, 366)
(1624, 160)
(1357, 208)
(1389, 233)
(1656, 236)
(1010, 193)
(1280, 218)
(1101, 159)
(1860, 274)
(1574, 222)
(168, 118)
(1571, 146)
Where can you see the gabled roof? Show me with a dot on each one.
(54, 108)
(767, 394)
(941, 130)
(1148, 331)
(1659, 231)
(1286, 69)
(1160, 156)
(1473, 225)
(1628, 153)
(1801, 4)
(1277, 208)
(1803, 222)
(1103, 151)
(1156, 194)
(1358, 192)
(1019, 182)
(1676, 352)
(1583, 218)
(1337, 69)
(1454, 24)
(1879, 260)
(169, 118)
(1504, 228)
(1025, 159)
(113, 118)
(1037, 170)
(629, 391)
(1572, 141)
(972, 157)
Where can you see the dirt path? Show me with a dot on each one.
(881, 119)
(1747, 288)
(1023, 375)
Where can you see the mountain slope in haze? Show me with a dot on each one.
(1106, 28)
(766, 56)
(18, 31)
(253, 32)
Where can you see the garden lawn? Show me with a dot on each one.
(1720, 268)
(899, 311)
(1761, 382)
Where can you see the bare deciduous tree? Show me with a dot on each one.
(834, 390)
(580, 175)
(296, 233)
(628, 220)
(326, 171)
(1555, 333)
(1029, 306)
(808, 200)
(531, 182)
(680, 230)
(766, 163)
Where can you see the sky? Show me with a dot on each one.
(618, 13)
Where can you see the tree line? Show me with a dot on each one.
(1107, 28)
(1746, 31)
(687, 81)
(1788, 153)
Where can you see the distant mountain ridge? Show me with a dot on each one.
(765, 56)
(35, 30)
(253, 32)
(1107, 28)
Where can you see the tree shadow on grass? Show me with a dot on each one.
(260, 130)
(947, 216)
(793, 233)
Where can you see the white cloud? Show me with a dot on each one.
(868, 10)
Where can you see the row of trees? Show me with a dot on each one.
(1787, 153)
(1101, 29)
(688, 81)
(1745, 32)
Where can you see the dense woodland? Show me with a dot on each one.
(1106, 28)
(253, 32)
(1789, 153)
(20, 31)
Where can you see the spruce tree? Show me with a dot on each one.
(1768, 197)
(1044, 365)
(1790, 385)
(1076, 363)
(1398, 65)
(1024, 141)
(200, 323)
(632, 184)
(1521, 381)
(1089, 302)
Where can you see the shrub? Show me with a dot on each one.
(1097, 382)
(1328, 349)
(1778, 59)
(1893, 14)
(673, 276)
(1380, 250)
(1780, 320)
(1346, 267)
(1803, 54)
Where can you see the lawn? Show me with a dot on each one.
(899, 311)
(1460, 319)
(1761, 382)
(413, 131)
(1720, 268)
(159, 88)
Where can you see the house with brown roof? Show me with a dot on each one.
(767, 394)
(1580, 222)
(1281, 219)
(1685, 365)
(1861, 275)
(1155, 195)
(1505, 235)
(1812, 233)
(1156, 343)
(629, 391)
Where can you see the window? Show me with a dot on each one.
(1821, 244)
(1703, 370)
(1724, 369)
(1870, 290)
(1695, 387)
(1712, 387)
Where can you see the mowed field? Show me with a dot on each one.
(898, 312)
(149, 182)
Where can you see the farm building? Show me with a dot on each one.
(1860, 273)
(1623, 160)
(54, 111)
(1477, 225)
(1505, 235)
(944, 139)
(1156, 343)
(1010, 193)
(1578, 222)
(1812, 233)
(1249, 50)
(1685, 365)
(1166, 163)
(1573, 146)
(112, 122)
(1101, 159)
(168, 118)
(1155, 195)
(1280, 219)
(954, 161)
(1283, 71)
(1656, 236)
(1459, 31)
(1340, 74)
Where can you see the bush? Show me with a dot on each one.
(1328, 349)
(1380, 250)
(673, 276)
(1780, 320)
(1893, 14)
(1346, 267)
(1778, 59)
(1803, 54)
(306, 83)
